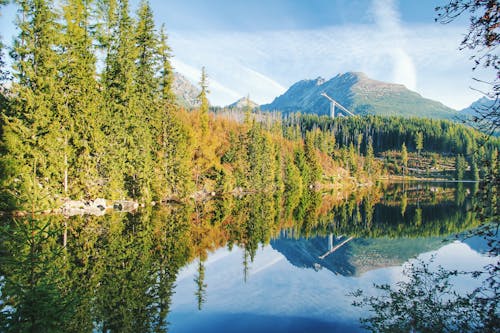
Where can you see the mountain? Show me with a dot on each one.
(481, 104)
(242, 103)
(185, 91)
(359, 94)
(355, 257)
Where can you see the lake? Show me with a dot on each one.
(263, 263)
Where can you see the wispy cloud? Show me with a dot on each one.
(218, 90)
(263, 64)
(387, 18)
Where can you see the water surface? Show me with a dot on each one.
(282, 263)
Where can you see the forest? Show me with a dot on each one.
(88, 111)
(451, 148)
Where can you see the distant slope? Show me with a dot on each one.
(361, 95)
(480, 105)
(242, 103)
(356, 257)
(186, 92)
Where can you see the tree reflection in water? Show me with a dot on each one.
(117, 272)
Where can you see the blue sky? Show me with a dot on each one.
(261, 47)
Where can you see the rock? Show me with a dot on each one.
(78, 207)
(125, 205)
(100, 203)
(74, 204)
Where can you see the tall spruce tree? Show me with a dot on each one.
(119, 96)
(404, 158)
(202, 97)
(33, 170)
(148, 107)
(166, 70)
(80, 103)
(173, 159)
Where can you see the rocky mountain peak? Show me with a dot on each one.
(243, 103)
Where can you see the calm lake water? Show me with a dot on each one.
(255, 264)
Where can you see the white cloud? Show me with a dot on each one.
(217, 91)
(387, 18)
(263, 64)
(404, 70)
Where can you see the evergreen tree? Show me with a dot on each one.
(202, 97)
(312, 159)
(404, 158)
(33, 169)
(460, 167)
(369, 158)
(166, 70)
(3, 72)
(148, 109)
(419, 142)
(119, 96)
(352, 158)
(201, 286)
(80, 104)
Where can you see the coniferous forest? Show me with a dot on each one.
(90, 112)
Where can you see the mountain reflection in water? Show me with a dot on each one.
(279, 263)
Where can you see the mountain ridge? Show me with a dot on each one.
(242, 104)
(185, 92)
(361, 95)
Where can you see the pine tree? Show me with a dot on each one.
(404, 158)
(460, 166)
(166, 70)
(120, 103)
(369, 158)
(312, 159)
(148, 108)
(202, 97)
(33, 170)
(419, 142)
(82, 126)
(173, 169)
(201, 286)
(3, 72)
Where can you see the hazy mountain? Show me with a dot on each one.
(242, 103)
(186, 92)
(359, 94)
(356, 256)
(481, 104)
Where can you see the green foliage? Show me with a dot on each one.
(73, 130)
(460, 167)
(117, 272)
(404, 158)
(388, 133)
(419, 142)
(204, 105)
(369, 160)
(34, 297)
(425, 302)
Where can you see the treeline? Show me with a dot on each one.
(389, 133)
(91, 113)
(474, 153)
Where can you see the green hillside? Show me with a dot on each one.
(361, 95)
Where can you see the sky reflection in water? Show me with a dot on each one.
(281, 297)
